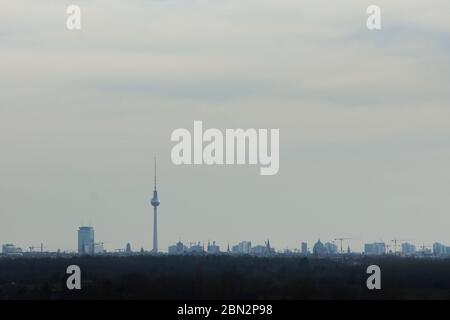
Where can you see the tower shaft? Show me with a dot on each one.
(155, 229)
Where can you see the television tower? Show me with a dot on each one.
(155, 203)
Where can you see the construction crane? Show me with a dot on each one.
(395, 244)
(342, 239)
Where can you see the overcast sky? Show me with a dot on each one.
(364, 120)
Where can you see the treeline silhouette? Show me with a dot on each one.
(223, 277)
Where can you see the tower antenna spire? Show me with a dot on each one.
(155, 173)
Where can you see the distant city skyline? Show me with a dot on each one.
(87, 245)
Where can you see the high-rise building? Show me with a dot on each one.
(86, 240)
(440, 249)
(304, 248)
(155, 203)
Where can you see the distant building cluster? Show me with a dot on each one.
(88, 246)
(327, 248)
(242, 248)
(407, 249)
(10, 249)
(375, 249)
(319, 249)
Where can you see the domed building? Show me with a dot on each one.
(319, 248)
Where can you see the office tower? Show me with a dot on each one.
(86, 242)
(304, 248)
(155, 203)
(440, 249)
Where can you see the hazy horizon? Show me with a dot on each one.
(364, 119)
